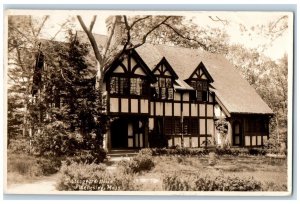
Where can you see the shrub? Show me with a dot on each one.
(20, 146)
(88, 156)
(175, 182)
(271, 186)
(32, 166)
(24, 165)
(180, 151)
(92, 177)
(137, 164)
(257, 151)
(49, 165)
(146, 151)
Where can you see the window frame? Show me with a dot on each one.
(195, 83)
(144, 86)
(176, 126)
(158, 94)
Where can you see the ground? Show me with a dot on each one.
(270, 171)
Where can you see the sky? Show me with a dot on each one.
(280, 46)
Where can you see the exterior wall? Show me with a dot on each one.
(254, 129)
(180, 107)
(160, 115)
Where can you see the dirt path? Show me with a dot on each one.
(41, 186)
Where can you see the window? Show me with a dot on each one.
(125, 86)
(164, 88)
(201, 88)
(189, 126)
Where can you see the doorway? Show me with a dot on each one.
(237, 134)
(128, 132)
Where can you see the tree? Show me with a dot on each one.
(22, 47)
(24, 54)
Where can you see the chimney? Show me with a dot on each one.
(119, 35)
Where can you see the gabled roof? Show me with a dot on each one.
(205, 72)
(235, 93)
(230, 87)
(168, 66)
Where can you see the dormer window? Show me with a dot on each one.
(164, 88)
(165, 76)
(201, 90)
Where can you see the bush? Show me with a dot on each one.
(19, 146)
(88, 157)
(49, 165)
(180, 151)
(146, 151)
(92, 177)
(24, 165)
(257, 151)
(207, 183)
(137, 164)
(32, 166)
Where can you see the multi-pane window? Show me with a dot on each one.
(201, 90)
(163, 88)
(124, 86)
(177, 126)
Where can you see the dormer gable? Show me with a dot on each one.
(166, 76)
(201, 73)
(200, 80)
(163, 68)
(130, 64)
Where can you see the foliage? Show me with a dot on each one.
(176, 151)
(53, 140)
(137, 164)
(200, 182)
(92, 177)
(87, 157)
(32, 166)
(19, 146)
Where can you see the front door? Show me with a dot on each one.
(119, 133)
(237, 134)
(128, 133)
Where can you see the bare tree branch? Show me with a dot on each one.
(273, 25)
(149, 32)
(16, 29)
(186, 37)
(93, 23)
(138, 20)
(61, 27)
(41, 26)
(91, 38)
(217, 19)
(109, 40)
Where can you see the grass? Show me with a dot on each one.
(271, 172)
(24, 168)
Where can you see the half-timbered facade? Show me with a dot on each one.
(164, 96)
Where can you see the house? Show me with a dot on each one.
(164, 95)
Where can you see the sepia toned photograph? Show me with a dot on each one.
(148, 103)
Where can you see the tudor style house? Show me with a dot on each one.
(162, 95)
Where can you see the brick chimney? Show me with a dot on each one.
(119, 35)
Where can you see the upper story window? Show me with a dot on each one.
(124, 86)
(164, 88)
(201, 90)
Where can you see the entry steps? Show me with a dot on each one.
(122, 152)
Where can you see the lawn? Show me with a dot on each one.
(272, 172)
